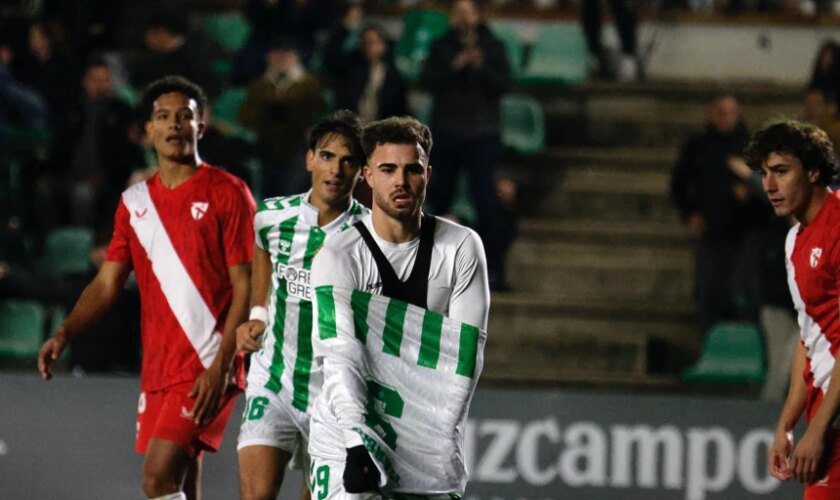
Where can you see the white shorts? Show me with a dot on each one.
(326, 482)
(270, 421)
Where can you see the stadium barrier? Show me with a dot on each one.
(73, 439)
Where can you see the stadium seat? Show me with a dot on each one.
(523, 124)
(508, 35)
(558, 56)
(21, 329)
(67, 250)
(226, 111)
(420, 29)
(230, 30)
(732, 353)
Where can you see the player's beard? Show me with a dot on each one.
(400, 214)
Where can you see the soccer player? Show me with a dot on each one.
(425, 263)
(282, 382)
(797, 162)
(187, 235)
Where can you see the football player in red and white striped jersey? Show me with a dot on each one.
(187, 235)
(797, 163)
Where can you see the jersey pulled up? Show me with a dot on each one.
(457, 289)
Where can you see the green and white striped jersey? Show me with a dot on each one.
(414, 369)
(287, 228)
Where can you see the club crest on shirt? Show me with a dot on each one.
(198, 209)
(816, 253)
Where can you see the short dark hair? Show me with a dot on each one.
(804, 141)
(344, 123)
(396, 130)
(169, 84)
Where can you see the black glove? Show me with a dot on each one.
(360, 473)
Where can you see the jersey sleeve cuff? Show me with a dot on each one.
(352, 439)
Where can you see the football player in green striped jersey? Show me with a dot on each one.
(289, 230)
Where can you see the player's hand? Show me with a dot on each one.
(249, 335)
(208, 390)
(51, 351)
(360, 473)
(806, 456)
(777, 456)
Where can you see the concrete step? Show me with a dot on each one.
(633, 120)
(531, 305)
(631, 159)
(604, 276)
(558, 342)
(609, 194)
(652, 234)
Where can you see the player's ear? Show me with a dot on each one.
(813, 175)
(367, 173)
(428, 173)
(202, 126)
(147, 126)
(310, 156)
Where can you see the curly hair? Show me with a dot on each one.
(396, 130)
(343, 123)
(804, 141)
(169, 84)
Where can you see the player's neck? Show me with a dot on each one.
(328, 213)
(814, 205)
(176, 172)
(395, 230)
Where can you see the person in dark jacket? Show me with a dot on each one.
(466, 73)
(365, 80)
(711, 187)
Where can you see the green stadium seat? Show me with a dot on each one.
(420, 29)
(230, 30)
(733, 353)
(508, 35)
(558, 56)
(523, 124)
(226, 114)
(127, 94)
(67, 250)
(21, 329)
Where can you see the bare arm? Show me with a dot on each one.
(96, 299)
(777, 459)
(210, 385)
(248, 334)
(809, 451)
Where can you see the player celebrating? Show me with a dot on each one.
(797, 162)
(186, 233)
(417, 267)
(282, 382)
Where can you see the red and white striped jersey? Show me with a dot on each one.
(813, 269)
(180, 243)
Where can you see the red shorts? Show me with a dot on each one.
(165, 414)
(828, 487)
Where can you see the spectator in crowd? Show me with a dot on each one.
(624, 12)
(711, 189)
(820, 109)
(467, 72)
(20, 105)
(280, 106)
(365, 80)
(170, 50)
(299, 20)
(104, 140)
(826, 73)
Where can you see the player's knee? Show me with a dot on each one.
(258, 492)
(156, 484)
